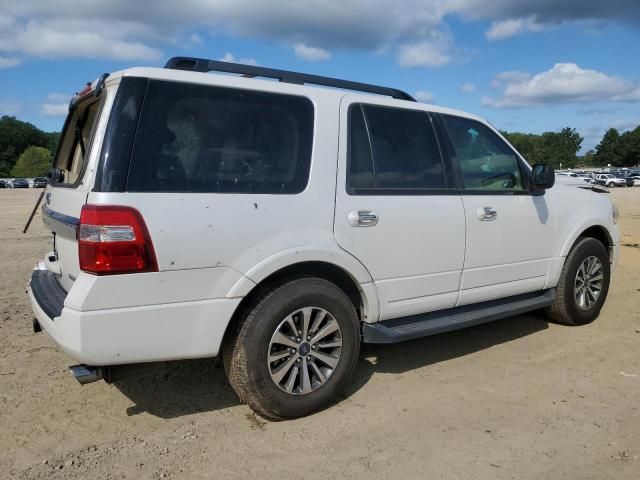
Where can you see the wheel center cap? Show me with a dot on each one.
(304, 349)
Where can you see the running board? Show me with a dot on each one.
(416, 326)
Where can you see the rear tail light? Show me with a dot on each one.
(114, 239)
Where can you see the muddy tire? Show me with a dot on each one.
(584, 284)
(295, 348)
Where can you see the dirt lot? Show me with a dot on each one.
(520, 398)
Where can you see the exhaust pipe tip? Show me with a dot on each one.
(86, 374)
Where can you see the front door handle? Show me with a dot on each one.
(487, 214)
(362, 218)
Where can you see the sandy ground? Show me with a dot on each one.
(516, 399)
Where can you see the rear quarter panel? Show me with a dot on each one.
(250, 234)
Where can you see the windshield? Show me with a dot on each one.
(72, 151)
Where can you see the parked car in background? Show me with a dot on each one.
(585, 177)
(20, 183)
(576, 176)
(39, 182)
(609, 180)
(279, 226)
(4, 184)
(626, 176)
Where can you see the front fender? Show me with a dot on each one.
(577, 230)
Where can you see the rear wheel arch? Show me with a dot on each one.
(314, 269)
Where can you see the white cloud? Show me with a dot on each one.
(467, 87)
(513, 26)
(10, 107)
(425, 54)
(510, 76)
(312, 54)
(230, 57)
(624, 125)
(132, 31)
(424, 96)
(59, 98)
(9, 62)
(564, 83)
(409, 30)
(57, 105)
(55, 38)
(54, 109)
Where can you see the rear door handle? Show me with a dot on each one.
(487, 214)
(362, 218)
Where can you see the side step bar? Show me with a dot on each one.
(416, 326)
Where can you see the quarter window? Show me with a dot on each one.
(199, 138)
(486, 162)
(393, 150)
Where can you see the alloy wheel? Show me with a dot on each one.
(304, 350)
(588, 283)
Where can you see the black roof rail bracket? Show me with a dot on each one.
(204, 65)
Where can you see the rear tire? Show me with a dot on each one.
(268, 374)
(584, 284)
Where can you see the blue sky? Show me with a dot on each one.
(525, 65)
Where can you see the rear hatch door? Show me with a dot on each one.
(68, 190)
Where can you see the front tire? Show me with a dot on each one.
(295, 349)
(611, 185)
(584, 284)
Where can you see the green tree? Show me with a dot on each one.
(628, 148)
(551, 147)
(607, 151)
(34, 162)
(528, 144)
(15, 137)
(561, 148)
(53, 138)
(587, 160)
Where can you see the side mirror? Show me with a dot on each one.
(543, 176)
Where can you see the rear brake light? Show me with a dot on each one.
(114, 239)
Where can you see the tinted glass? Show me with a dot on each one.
(392, 149)
(486, 162)
(197, 138)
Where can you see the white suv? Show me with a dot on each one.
(280, 225)
(609, 180)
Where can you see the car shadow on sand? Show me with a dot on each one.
(194, 386)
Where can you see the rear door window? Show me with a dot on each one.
(392, 150)
(200, 138)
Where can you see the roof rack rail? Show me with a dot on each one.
(204, 65)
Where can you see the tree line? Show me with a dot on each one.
(27, 151)
(561, 148)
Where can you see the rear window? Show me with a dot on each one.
(198, 138)
(75, 140)
(392, 151)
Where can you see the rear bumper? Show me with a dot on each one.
(116, 336)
